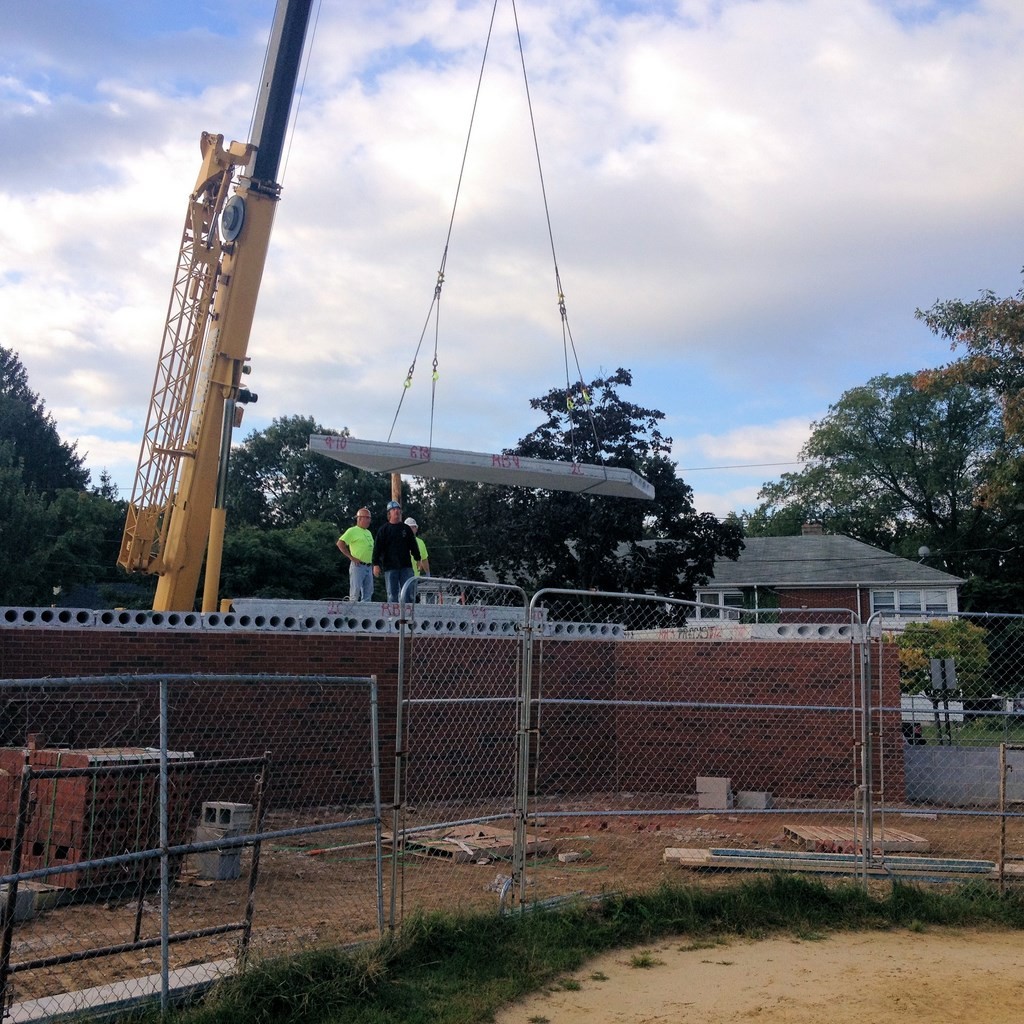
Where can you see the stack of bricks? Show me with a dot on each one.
(89, 816)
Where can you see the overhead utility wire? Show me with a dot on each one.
(435, 302)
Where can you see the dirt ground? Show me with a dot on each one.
(320, 889)
(898, 977)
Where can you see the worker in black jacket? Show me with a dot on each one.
(394, 551)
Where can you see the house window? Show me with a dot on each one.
(719, 604)
(910, 602)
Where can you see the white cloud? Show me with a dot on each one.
(748, 202)
(776, 443)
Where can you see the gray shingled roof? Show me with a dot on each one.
(822, 560)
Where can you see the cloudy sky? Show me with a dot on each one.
(748, 200)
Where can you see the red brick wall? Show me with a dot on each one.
(317, 735)
(764, 714)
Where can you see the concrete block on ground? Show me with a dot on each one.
(753, 800)
(32, 899)
(211, 834)
(714, 794)
(235, 818)
(218, 865)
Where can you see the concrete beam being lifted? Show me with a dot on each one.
(502, 469)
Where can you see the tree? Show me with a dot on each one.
(274, 480)
(445, 511)
(992, 332)
(562, 539)
(897, 466)
(298, 562)
(25, 528)
(957, 639)
(48, 463)
(58, 541)
(81, 562)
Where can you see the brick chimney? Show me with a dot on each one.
(811, 529)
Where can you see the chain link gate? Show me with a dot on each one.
(957, 727)
(460, 669)
(156, 830)
(662, 740)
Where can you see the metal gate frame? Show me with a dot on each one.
(532, 631)
(861, 679)
(163, 853)
(417, 614)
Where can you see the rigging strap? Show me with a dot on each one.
(568, 343)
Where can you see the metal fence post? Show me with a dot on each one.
(522, 796)
(8, 907)
(165, 861)
(867, 779)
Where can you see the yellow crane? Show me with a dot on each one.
(176, 512)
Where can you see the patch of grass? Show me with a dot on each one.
(459, 969)
(599, 976)
(693, 947)
(569, 985)
(644, 960)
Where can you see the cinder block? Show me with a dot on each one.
(235, 818)
(714, 794)
(32, 899)
(219, 865)
(753, 800)
(210, 833)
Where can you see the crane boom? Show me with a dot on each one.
(203, 352)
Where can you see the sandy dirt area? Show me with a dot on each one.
(937, 976)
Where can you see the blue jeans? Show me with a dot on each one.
(394, 580)
(360, 582)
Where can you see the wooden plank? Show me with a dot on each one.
(841, 839)
(924, 868)
(467, 843)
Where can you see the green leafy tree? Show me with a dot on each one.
(299, 562)
(990, 331)
(445, 510)
(58, 541)
(920, 642)
(558, 538)
(82, 556)
(274, 481)
(25, 532)
(897, 466)
(48, 463)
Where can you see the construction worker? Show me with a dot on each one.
(356, 544)
(395, 552)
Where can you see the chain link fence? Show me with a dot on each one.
(154, 831)
(458, 708)
(961, 734)
(652, 743)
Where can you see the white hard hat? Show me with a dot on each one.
(412, 522)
